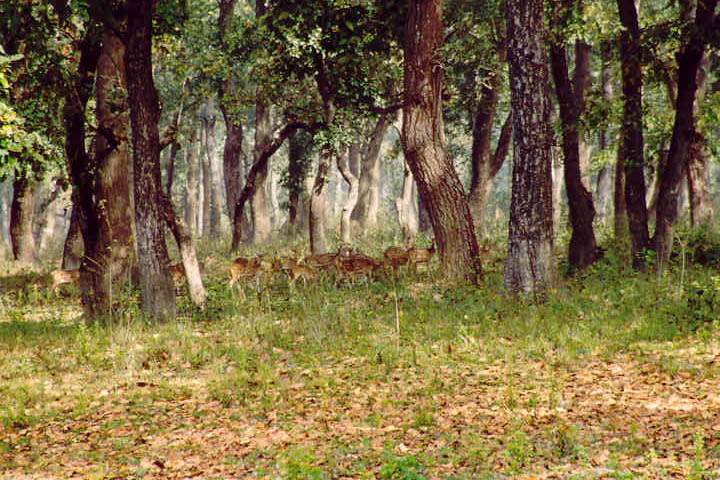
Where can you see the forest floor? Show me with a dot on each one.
(615, 375)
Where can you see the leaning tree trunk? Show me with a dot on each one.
(368, 204)
(632, 130)
(424, 144)
(21, 221)
(346, 165)
(157, 290)
(583, 249)
(183, 238)
(688, 58)
(530, 265)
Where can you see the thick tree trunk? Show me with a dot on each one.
(193, 181)
(368, 204)
(157, 290)
(530, 266)
(632, 131)
(583, 249)
(111, 251)
(348, 165)
(688, 58)
(424, 144)
(260, 216)
(21, 221)
(73, 247)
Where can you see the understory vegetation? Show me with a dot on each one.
(614, 375)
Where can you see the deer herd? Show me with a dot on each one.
(344, 265)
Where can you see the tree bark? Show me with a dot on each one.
(583, 249)
(156, 286)
(424, 144)
(688, 58)
(368, 204)
(632, 130)
(214, 181)
(604, 183)
(205, 215)
(530, 265)
(620, 217)
(407, 208)
(21, 221)
(581, 84)
(172, 158)
(698, 174)
(345, 165)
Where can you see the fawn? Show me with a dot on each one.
(61, 277)
(355, 265)
(395, 257)
(420, 256)
(244, 268)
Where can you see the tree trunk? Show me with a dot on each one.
(424, 144)
(581, 84)
(484, 165)
(604, 183)
(21, 221)
(206, 218)
(347, 165)
(698, 175)
(185, 245)
(530, 265)
(193, 180)
(299, 148)
(368, 204)
(157, 290)
(172, 158)
(583, 248)
(73, 247)
(632, 130)
(111, 250)
(689, 59)
(213, 182)
(407, 209)
(260, 217)
(232, 152)
(620, 217)
(318, 201)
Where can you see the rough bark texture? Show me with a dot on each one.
(21, 221)
(632, 130)
(348, 165)
(111, 255)
(583, 247)
(157, 290)
(193, 180)
(688, 59)
(368, 204)
(424, 144)
(530, 265)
